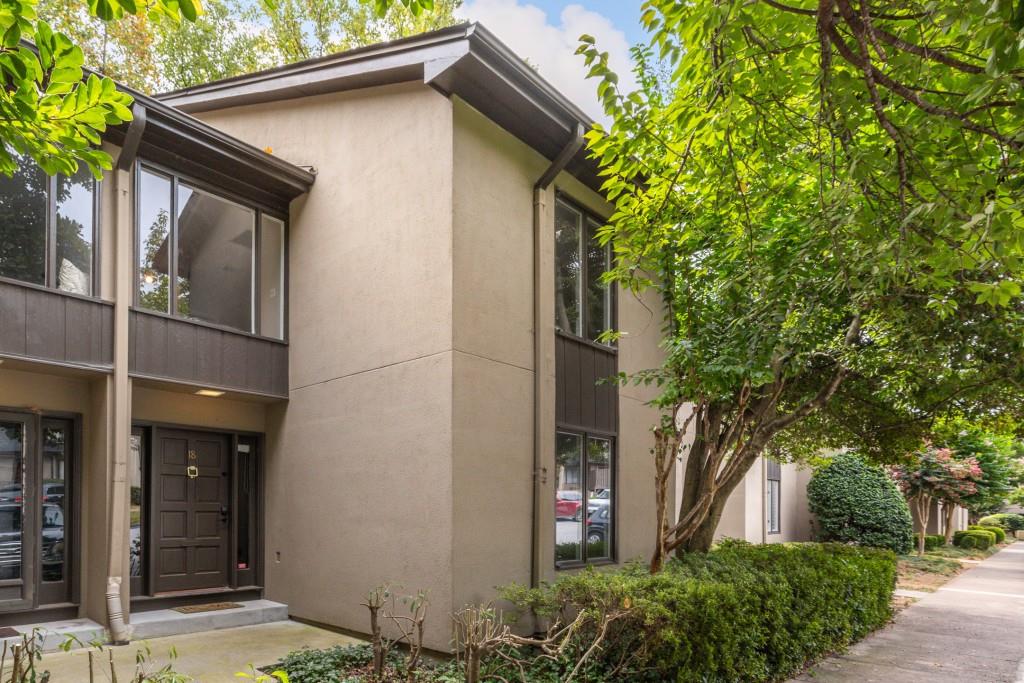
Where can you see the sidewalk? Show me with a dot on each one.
(971, 629)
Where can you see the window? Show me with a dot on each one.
(584, 511)
(211, 245)
(583, 303)
(773, 497)
(47, 228)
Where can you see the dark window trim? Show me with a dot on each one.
(259, 210)
(613, 314)
(35, 421)
(612, 557)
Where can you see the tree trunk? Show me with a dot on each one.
(950, 510)
(704, 536)
(923, 504)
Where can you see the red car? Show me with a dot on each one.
(568, 504)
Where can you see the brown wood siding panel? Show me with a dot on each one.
(51, 326)
(581, 400)
(181, 350)
(208, 355)
(12, 319)
(193, 353)
(45, 325)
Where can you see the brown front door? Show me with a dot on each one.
(190, 525)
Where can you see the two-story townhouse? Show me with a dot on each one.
(221, 380)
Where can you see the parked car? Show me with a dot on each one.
(10, 540)
(568, 504)
(53, 542)
(599, 523)
(53, 492)
(598, 499)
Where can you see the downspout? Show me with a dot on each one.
(540, 213)
(120, 424)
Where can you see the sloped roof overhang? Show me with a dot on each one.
(466, 61)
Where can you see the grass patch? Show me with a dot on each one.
(929, 571)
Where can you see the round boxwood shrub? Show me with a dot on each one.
(1007, 520)
(997, 530)
(971, 539)
(859, 503)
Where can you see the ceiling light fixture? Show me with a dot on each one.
(209, 392)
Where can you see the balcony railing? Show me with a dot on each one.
(41, 324)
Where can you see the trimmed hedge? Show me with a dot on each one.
(738, 613)
(855, 502)
(931, 541)
(994, 530)
(1008, 521)
(971, 539)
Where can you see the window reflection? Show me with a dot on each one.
(55, 457)
(75, 232)
(135, 509)
(568, 269)
(584, 509)
(599, 305)
(23, 200)
(569, 500)
(154, 241)
(215, 250)
(271, 277)
(12, 463)
(599, 483)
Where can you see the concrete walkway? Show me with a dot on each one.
(971, 629)
(211, 657)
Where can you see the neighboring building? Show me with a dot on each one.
(769, 505)
(369, 356)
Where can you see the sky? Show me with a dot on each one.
(546, 32)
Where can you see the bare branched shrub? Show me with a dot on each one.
(376, 600)
(410, 627)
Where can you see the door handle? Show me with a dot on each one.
(224, 514)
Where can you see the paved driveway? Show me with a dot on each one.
(969, 631)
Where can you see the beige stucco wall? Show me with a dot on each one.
(359, 462)
(493, 332)
(150, 404)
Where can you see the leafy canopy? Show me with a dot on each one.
(829, 194)
(50, 110)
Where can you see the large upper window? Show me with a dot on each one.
(583, 304)
(47, 227)
(225, 272)
(583, 498)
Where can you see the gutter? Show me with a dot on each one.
(540, 213)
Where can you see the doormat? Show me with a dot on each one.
(209, 607)
(8, 632)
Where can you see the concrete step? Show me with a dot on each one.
(71, 633)
(167, 622)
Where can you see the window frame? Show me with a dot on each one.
(612, 538)
(611, 298)
(50, 246)
(259, 210)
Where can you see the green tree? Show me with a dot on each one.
(998, 456)
(936, 474)
(828, 195)
(48, 109)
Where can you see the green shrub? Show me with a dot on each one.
(323, 666)
(995, 530)
(931, 541)
(737, 613)
(1006, 520)
(858, 503)
(971, 539)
